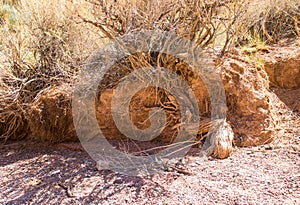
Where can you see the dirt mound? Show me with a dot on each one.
(250, 110)
(50, 117)
(282, 63)
(248, 102)
(252, 106)
(140, 111)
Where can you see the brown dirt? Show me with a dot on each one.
(34, 173)
(248, 102)
(282, 64)
(50, 116)
(251, 112)
(140, 107)
(291, 98)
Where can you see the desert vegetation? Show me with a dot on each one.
(44, 45)
(255, 50)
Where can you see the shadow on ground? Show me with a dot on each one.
(43, 174)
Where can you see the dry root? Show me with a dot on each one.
(220, 139)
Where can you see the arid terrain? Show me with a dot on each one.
(33, 173)
(226, 72)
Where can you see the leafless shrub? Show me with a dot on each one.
(43, 47)
(273, 21)
(199, 21)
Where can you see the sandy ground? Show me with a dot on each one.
(34, 173)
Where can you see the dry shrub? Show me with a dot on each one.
(154, 97)
(273, 21)
(150, 97)
(13, 124)
(43, 47)
(200, 21)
